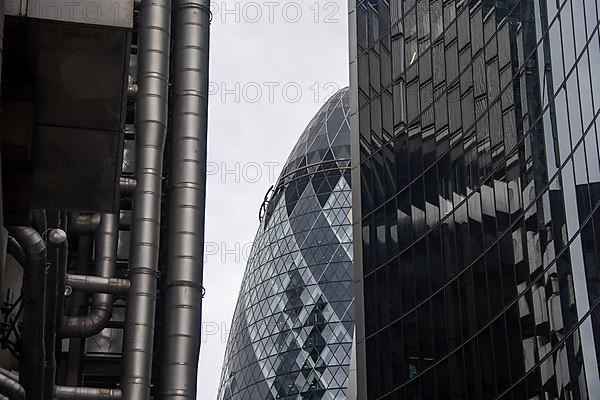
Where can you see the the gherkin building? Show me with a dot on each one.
(292, 329)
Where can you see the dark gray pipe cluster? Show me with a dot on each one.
(183, 283)
(151, 129)
(32, 363)
(107, 235)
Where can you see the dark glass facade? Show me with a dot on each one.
(476, 187)
(293, 325)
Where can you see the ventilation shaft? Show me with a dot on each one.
(183, 284)
(151, 129)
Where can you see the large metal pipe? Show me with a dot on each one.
(34, 286)
(151, 127)
(98, 284)
(102, 303)
(10, 387)
(187, 177)
(86, 393)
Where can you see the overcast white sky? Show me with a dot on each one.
(273, 64)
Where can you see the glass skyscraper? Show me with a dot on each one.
(476, 188)
(293, 325)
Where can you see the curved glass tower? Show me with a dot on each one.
(293, 324)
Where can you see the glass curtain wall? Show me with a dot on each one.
(476, 186)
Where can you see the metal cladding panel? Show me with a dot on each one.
(72, 80)
(80, 74)
(85, 164)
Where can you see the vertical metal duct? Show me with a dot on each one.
(151, 127)
(34, 285)
(107, 236)
(187, 177)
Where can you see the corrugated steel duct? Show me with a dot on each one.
(151, 127)
(183, 282)
(102, 303)
(34, 287)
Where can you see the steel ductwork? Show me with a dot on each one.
(32, 363)
(187, 183)
(102, 303)
(150, 126)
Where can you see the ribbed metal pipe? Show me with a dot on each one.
(10, 387)
(100, 312)
(187, 176)
(86, 393)
(151, 126)
(98, 284)
(32, 362)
